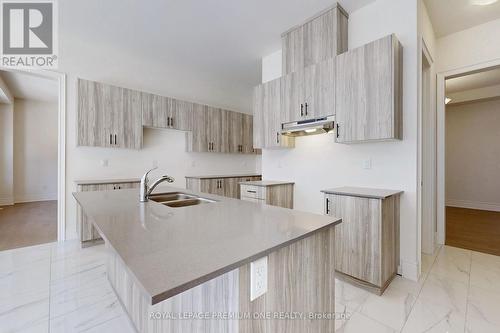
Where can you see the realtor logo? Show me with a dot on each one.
(28, 33)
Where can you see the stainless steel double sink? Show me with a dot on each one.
(178, 199)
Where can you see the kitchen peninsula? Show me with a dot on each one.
(169, 263)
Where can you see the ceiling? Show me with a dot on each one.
(473, 81)
(31, 87)
(205, 51)
(449, 16)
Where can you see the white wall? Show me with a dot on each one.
(6, 154)
(318, 163)
(469, 47)
(105, 63)
(474, 94)
(35, 150)
(473, 155)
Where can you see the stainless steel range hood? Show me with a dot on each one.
(308, 127)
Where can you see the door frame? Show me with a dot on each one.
(441, 131)
(426, 151)
(60, 78)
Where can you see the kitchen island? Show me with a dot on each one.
(187, 269)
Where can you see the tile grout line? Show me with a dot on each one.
(468, 293)
(50, 286)
(420, 289)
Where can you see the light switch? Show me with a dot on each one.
(258, 278)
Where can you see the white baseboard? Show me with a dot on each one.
(490, 206)
(409, 270)
(33, 197)
(6, 201)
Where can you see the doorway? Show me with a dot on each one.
(472, 161)
(32, 109)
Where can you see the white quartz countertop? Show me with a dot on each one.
(242, 175)
(170, 250)
(106, 181)
(364, 192)
(265, 183)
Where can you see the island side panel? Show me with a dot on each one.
(219, 295)
(301, 278)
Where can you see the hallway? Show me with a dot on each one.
(27, 224)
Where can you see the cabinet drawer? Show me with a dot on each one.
(256, 192)
(259, 201)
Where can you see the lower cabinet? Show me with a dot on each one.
(223, 186)
(280, 195)
(87, 234)
(367, 240)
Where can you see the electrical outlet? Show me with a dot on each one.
(104, 163)
(258, 278)
(367, 164)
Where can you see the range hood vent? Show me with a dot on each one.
(308, 127)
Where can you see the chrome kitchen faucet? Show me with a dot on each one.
(146, 189)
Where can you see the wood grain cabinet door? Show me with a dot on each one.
(231, 187)
(368, 88)
(131, 131)
(292, 97)
(214, 129)
(198, 137)
(155, 110)
(90, 116)
(319, 89)
(272, 113)
(357, 238)
(325, 36)
(293, 51)
(180, 115)
(113, 115)
(232, 132)
(247, 130)
(258, 117)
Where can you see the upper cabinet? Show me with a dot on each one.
(166, 112)
(114, 117)
(368, 92)
(320, 38)
(309, 93)
(108, 116)
(267, 113)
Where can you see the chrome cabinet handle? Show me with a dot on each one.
(301, 110)
(111, 139)
(327, 206)
(306, 109)
(115, 139)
